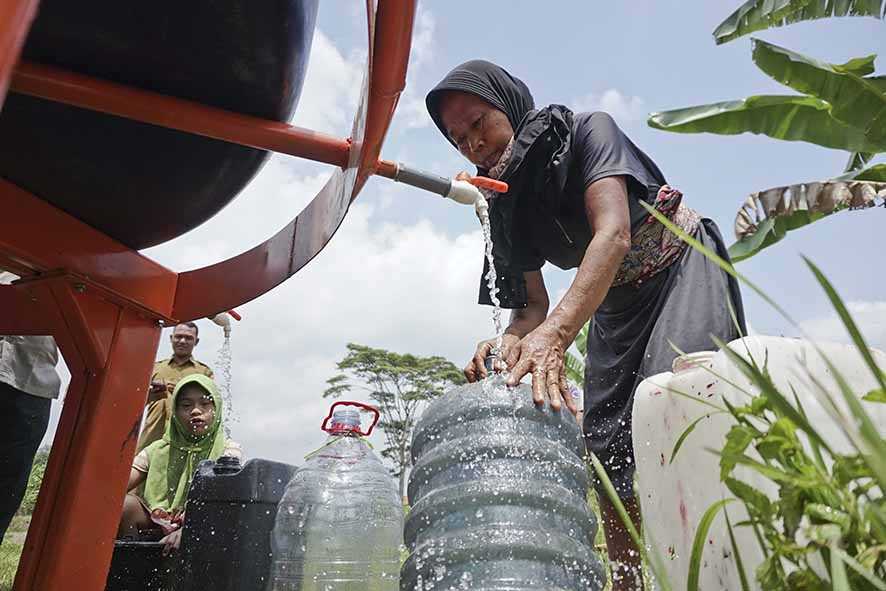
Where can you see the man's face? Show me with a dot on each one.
(183, 338)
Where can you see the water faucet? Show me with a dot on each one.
(224, 320)
(464, 192)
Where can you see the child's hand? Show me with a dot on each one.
(172, 542)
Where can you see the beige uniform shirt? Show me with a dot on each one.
(160, 405)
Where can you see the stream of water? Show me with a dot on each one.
(482, 207)
(223, 365)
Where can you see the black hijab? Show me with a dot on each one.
(536, 173)
(491, 83)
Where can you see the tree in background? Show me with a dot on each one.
(840, 106)
(400, 385)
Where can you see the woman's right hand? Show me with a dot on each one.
(476, 367)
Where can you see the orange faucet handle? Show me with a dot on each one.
(483, 182)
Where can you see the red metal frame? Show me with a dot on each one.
(105, 304)
(94, 94)
(16, 17)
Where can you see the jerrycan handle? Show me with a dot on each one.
(366, 407)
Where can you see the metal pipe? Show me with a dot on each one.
(423, 180)
(86, 92)
(391, 37)
(463, 191)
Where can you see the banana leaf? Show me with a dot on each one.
(766, 217)
(757, 15)
(875, 173)
(856, 101)
(575, 369)
(783, 117)
(857, 161)
(575, 364)
(581, 340)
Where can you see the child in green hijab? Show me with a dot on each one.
(193, 433)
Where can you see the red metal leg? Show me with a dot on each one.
(110, 353)
(102, 301)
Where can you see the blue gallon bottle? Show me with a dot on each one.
(498, 496)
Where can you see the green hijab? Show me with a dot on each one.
(174, 458)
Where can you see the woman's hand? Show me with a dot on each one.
(476, 367)
(172, 542)
(541, 353)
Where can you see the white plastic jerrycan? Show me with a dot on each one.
(674, 496)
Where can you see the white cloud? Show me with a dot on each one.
(276, 195)
(870, 316)
(405, 288)
(624, 109)
(408, 288)
(411, 111)
(422, 37)
(331, 89)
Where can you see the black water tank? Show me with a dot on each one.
(141, 184)
(140, 566)
(229, 518)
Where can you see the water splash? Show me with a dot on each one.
(482, 207)
(223, 364)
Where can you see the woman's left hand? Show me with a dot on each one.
(541, 353)
(172, 542)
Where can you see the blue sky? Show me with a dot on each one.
(666, 58)
(402, 271)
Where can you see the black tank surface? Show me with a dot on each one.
(226, 543)
(140, 566)
(141, 184)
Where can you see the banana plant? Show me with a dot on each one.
(767, 216)
(843, 106)
(840, 106)
(757, 15)
(575, 364)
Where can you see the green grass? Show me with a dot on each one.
(19, 524)
(9, 555)
(11, 550)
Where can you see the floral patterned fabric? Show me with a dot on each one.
(653, 247)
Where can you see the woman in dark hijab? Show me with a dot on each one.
(576, 183)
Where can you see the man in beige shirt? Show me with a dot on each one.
(167, 373)
(28, 384)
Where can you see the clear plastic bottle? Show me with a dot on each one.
(498, 496)
(339, 525)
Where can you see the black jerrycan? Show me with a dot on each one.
(228, 522)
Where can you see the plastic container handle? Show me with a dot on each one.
(367, 407)
(482, 182)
